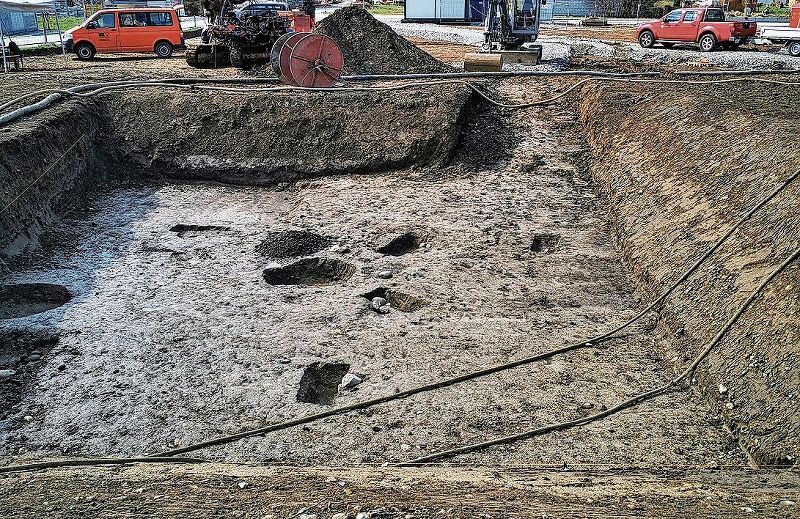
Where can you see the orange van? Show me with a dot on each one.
(127, 30)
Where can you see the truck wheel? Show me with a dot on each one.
(163, 49)
(646, 39)
(794, 48)
(708, 42)
(84, 51)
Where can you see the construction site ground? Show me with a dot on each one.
(174, 337)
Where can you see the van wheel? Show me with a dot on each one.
(646, 39)
(708, 42)
(84, 51)
(794, 48)
(163, 49)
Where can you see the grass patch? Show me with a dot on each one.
(67, 22)
(386, 9)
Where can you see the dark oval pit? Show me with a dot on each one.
(21, 300)
(310, 271)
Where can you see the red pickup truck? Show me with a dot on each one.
(705, 26)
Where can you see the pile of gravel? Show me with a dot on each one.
(372, 47)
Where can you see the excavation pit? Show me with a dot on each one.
(310, 271)
(545, 242)
(402, 244)
(172, 346)
(320, 382)
(291, 243)
(24, 299)
(398, 299)
(189, 229)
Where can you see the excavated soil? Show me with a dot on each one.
(229, 258)
(372, 47)
(676, 180)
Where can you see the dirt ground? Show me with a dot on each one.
(173, 335)
(239, 491)
(605, 34)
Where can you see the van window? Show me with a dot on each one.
(690, 16)
(673, 16)
(133, 19)
(715, 15)
(160, 19)
(104, 21)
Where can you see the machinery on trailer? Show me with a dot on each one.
(242, 33)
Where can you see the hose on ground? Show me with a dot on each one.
(88, 90)
(274, 80)
(93, 462)
(496, 369)
(633, 401)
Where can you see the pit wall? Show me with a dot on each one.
(247, 140)
(45, 166)
(678, 170)
(270, 138)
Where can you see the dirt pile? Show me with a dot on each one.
(372, 47)
(677, 179)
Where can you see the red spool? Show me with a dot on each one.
(308, 60)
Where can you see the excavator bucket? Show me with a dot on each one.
(483, 62)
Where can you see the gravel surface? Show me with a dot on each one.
(557, 51)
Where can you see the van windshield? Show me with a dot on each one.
(102, 21)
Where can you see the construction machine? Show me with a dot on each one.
(508, 24)
(242, 32)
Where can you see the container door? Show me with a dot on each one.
(421, 9)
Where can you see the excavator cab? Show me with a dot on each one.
(511, 23)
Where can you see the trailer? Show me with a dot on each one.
(788, 36)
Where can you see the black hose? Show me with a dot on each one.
(489, 371)
(642, 397)
(94, 462)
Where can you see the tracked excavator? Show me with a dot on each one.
(508, 26)
(242, 33)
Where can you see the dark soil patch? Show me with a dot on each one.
(31, 298)
(183, 229)
(310, 271)
(21, 354)
(288, 244)
(320, 383)
(372, 47)
(545, 242)
(398, 299)
(403, 244)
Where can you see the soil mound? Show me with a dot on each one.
(372, 47)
